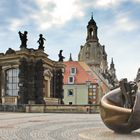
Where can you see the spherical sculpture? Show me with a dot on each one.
(120, 108)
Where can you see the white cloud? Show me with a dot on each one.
(136, 0)
(49, 13)
(56, 13)
(99, 4)
(107, 3)
(15, 23)
(124, 22)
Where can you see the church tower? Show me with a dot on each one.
(112, 71)
(93, 53)
(92, 31)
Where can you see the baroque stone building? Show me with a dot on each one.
(29, 76)
(94, 54)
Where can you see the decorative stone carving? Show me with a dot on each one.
(61, 57)
(48, 73)
(23, 38)
(41, 42)
(10, 51)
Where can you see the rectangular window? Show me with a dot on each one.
(70, 92)
(12, 81)
(73, 71)
(71, 79)
(92, 94)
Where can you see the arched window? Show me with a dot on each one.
(91, 32)
(11, 82)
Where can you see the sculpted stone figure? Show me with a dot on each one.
(41, 42)
(61, 57)
(120, 108)
(23, 38)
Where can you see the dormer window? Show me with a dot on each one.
(71, 79)
(73, 71)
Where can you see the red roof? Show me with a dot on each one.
(83, 73)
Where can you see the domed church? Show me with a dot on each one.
(95, 56)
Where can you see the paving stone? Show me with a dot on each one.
(53, 126)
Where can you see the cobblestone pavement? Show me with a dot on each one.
(47, 126)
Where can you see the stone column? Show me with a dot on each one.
(59, 84)
(31, 82)
(23, 74)
(39, 78)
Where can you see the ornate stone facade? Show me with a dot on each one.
(24, 78)
(92, 52)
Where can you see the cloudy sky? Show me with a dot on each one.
(63, 24)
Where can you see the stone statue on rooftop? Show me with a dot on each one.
(41, 42)
(61, 57)
(23, 38)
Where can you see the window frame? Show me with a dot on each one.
(11, 82)
(69, 79)
(72, 71)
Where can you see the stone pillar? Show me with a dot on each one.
(23, 75)
(47, 87)
(31, 82)
(51, 87)
(39, 78)
(59, 84)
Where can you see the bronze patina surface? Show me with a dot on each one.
(120, 108)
